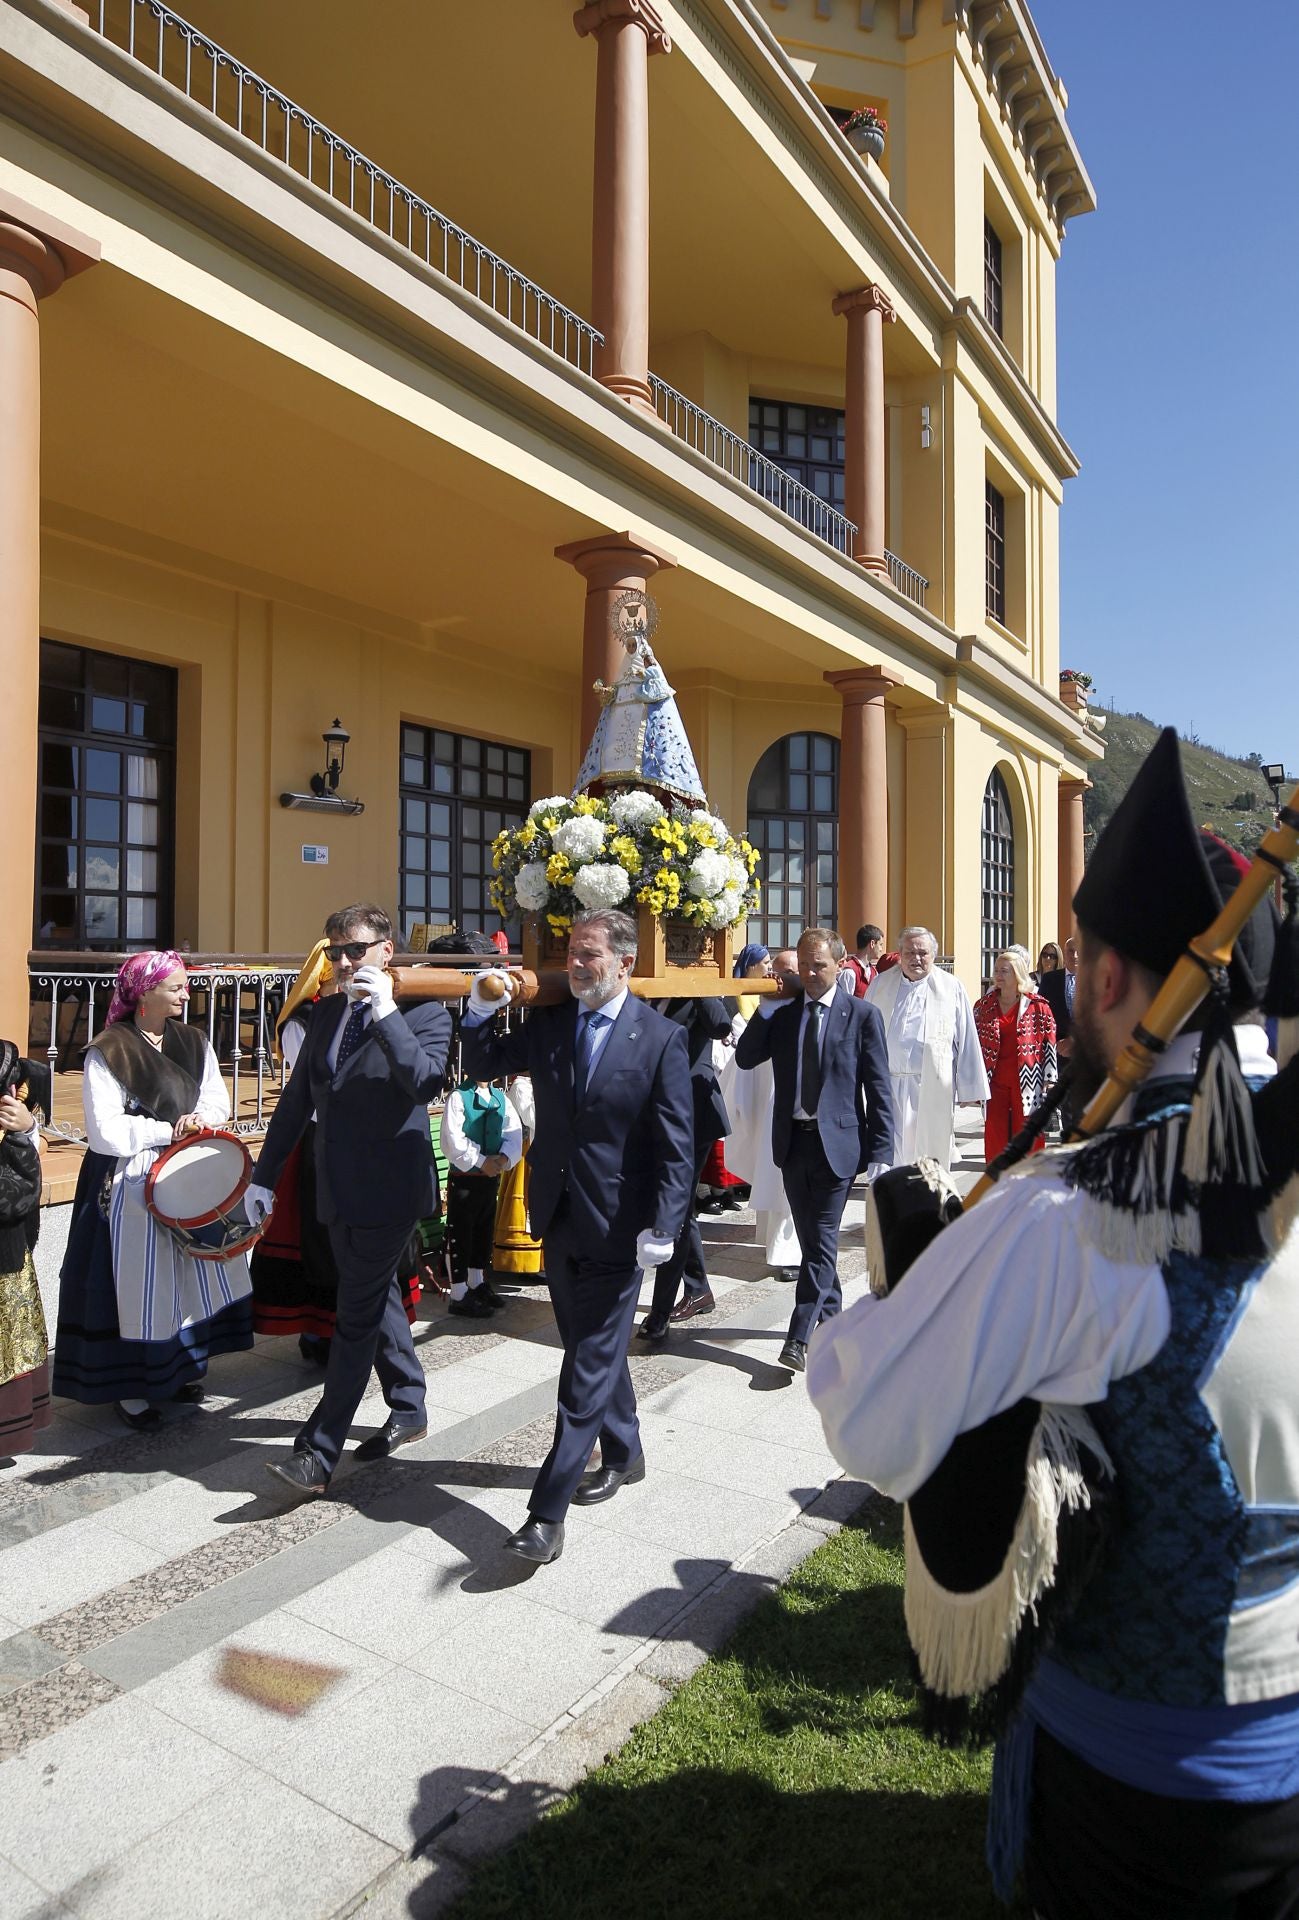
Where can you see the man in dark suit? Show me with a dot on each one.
(612, 1163)
(702, 1022)
(832, 1116)
(1057, 989)
(368, 1071)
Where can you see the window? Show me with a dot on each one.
(794, 823)
(992, 278)
(105, 804)
(806, 442)
(456, 794)
(998, 852)
(994, 525)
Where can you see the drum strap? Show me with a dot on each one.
(163, 1085)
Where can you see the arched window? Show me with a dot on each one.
(998, 873)
(794, 823)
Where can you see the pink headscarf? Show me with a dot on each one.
(134, 979)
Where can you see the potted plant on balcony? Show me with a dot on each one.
(864, 130)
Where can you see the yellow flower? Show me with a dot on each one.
(549, 822)
(558, 871)
(559, 922)
(584, 804)
(623, 848)
(526, 836)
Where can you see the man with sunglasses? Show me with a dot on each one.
(368, 1071)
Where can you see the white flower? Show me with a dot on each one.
(726, 909)
(531, 888)
(580, 838)
(702, 823)
(709, 873)
(736, 871)
(633, 812)
(601, 884)
(553, 805)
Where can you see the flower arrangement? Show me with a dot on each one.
(864, 117)
(627, 851)
(1082, 680)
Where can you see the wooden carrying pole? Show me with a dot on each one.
(1188, 983)
(551, 989)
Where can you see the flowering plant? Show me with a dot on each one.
(627, 851)
(1083, 680)
(864, 117)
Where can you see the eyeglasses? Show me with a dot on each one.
(354, 949)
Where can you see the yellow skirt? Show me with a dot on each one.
(513, 1248)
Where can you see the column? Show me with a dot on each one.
(863, 799)
(863, 464)
(36, 257)
(1070, 848)
(611, 564)
(626, 33)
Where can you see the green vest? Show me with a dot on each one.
(484, 1117)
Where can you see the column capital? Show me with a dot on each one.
(869, 298)
(610, 557)
(634, 13)
(856, 685)
(1071, 789)
(43, 251)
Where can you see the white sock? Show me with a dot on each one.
(134, 1406)
(458, 1289)
(475, 1276)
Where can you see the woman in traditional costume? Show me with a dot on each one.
(24, 1349)
(1016, 1030)
(294, 1275)
(139, 1318)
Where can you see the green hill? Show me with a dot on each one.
(1229, 796)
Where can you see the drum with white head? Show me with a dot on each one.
(195, 1189)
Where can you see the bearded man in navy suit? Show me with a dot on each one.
(613, 1164)
(831, 1119)
(368, 1071)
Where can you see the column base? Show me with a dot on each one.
(873, 563)
(627, 387)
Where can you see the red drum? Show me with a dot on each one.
(195, 1189)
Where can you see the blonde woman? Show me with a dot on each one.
(1016, 1030)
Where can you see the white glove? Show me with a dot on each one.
(375, 985)
(650, 1251)
(874, 1170)
(258, 1202)
(485, 1004)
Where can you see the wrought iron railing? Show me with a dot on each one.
(734, 455)
(906, 579)
(206, 74)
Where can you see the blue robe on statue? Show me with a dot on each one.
(639, 739)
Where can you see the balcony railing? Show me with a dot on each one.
(725, 449)
(223, 86)
(906, 579)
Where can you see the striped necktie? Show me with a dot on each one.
(352, 1033)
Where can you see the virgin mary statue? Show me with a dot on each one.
(639, 740)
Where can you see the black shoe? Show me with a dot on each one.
(731, 1202)
(141, 1422)
(604, 1483)
(653, 1327)
(710, 1206)
(314, 1349)
(692, 1304)
(488, 1292)
(538, 1540)
(794, 1355)
(190, 1394)
(303, 1473)
(392, 1434)
(471, 1307)
(788, 1274)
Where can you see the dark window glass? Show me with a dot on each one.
(995, 552)
(992, 283)
(108, 716)
(805, 442)
(998, 861)
(791, 811)
(443, 875)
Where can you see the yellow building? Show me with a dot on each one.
(369, 351)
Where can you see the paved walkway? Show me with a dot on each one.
(459, 1691)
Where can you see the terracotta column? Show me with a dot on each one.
(863, 454)
(610, 564)
(626, 33)
(1070, 848)
(863, 800)
(36, 257)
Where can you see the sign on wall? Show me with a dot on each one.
(315, 856)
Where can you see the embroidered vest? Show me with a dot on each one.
(484, 1117)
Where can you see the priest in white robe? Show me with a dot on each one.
(935, 1061)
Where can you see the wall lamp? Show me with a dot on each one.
(324, 796)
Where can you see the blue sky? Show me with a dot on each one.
(1178, 328)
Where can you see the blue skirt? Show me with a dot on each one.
(92, 1362)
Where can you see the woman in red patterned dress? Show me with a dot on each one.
(1016, 1031)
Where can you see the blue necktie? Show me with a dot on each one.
(591, 1024)
(352, 1033)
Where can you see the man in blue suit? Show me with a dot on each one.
(832, 1116)
(368, 1071)
(612, 1165)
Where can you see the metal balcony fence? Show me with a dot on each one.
(906, 579)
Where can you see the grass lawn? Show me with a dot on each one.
(789, 1774)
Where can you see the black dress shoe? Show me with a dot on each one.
(303, 1473)
(692, 1304)
(538, 1540)
(190, 1394)
(314, 1349)
(603, 1484)
(140, 1422)
(794, 1355)
(392, 1434)
(487, 1292)
(472, 1307)
(653, 1327)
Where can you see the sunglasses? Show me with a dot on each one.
(354, 949)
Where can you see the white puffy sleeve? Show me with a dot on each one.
(213, 1107)
(109, 1128)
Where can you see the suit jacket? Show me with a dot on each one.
(374, 1157)
(703, 1022)
(855, 1112)
(1051, 989)
(625, 1156)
